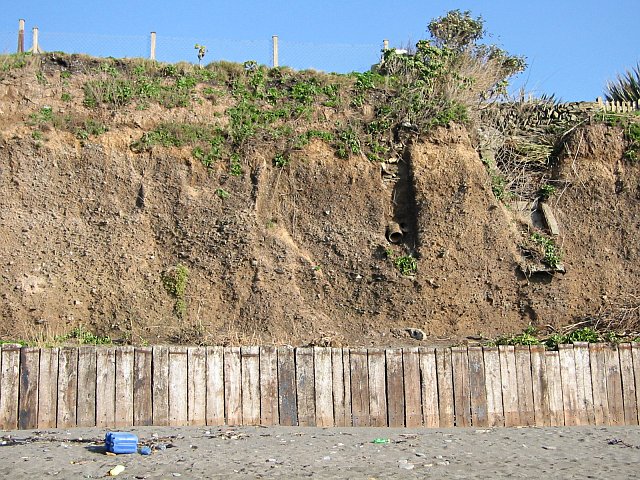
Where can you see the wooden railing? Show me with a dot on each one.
(115, 387)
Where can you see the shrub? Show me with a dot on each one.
(626, 87)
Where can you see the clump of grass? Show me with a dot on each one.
(83, 337)
(175, 282)
(551, 254)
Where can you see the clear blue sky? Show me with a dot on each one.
(572, 46)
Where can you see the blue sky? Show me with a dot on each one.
(572, 47)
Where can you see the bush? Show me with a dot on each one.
(626, 87)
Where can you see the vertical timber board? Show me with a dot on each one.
(28, 397)
(196, 386)
(429, 383)
(395, 387)
(67, 387)
(412, 390)
(142, 387)
(635, 352)
(233, 385)
(598, 366)
(215, 386)
(493, 386)
(178, 386)
(509, 380)
(124, 386)
(346, 364)
(569, 385)
(287, 398)
(377, 387)
(9, 387)
(477, 388)
(525, 385)
(628, 384)
(269, 386)
(160, 400)
(105, 387)
(540, 386)
(614, 385)
(250, 385)
(359, 387)
(305, 387)
(87, 377)
(583, 379)
(554, 384)
(323, 386)
(445, 387)
(461, 396)
(48, 388)
(337, 379)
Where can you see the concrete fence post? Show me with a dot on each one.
(21, 36)
(152, 55)
(35, 48)
(275, 61)
(385, 44)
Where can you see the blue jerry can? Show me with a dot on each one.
(121, 442)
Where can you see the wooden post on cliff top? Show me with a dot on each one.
(152, 55)
(21, 36)
(274, 38)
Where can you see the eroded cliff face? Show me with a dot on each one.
(300, 254)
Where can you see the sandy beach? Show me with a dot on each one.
(254, 452)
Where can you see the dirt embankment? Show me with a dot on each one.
(89, 229)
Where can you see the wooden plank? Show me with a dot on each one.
(337, 379)
(509, 380)
(124, 386)
(287, 395)
(614, 385)
(477, 388)
(67, 387)
(377, 387)
(346, 364)
(305, 387)
(635, 353)
(429, 381)
(525, 385)
(87, 377)
(445, 387)
(583, 381)
(493, 386)
(28, 396)
(539, 386)
(598, 365)
(359, 387)
(554, 384)
(461, 394)
(196, 386)
(9, 387)
(178, 386)
(269, 386)
(233, 385)
(628, 384)
(323, 386)
(160, 400)
(105, 387)
(395, 387)
(250, 361)
(142, 387)
(215, 386)
(412, 390)
(569, 385)
(48, 388)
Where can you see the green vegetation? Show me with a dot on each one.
(531, 336)
(83, 337)
(175, 283)
(546, 191)
(551, 254)
(222, 193)
(626, 87)
(406, 264)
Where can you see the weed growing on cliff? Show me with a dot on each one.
(221, 193)
(551, 254)
(546, 191)
(626, 87)
(406, 265)
(13, 61)
(281, 160)
(175, 281)
(83, 337)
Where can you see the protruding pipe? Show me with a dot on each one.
(394, 233)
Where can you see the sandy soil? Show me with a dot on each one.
(196, 452)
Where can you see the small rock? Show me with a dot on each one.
(415, 333)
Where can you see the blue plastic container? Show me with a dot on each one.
(121, 442)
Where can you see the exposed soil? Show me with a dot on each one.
(296, 255)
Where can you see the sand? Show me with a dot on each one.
(281, 452)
